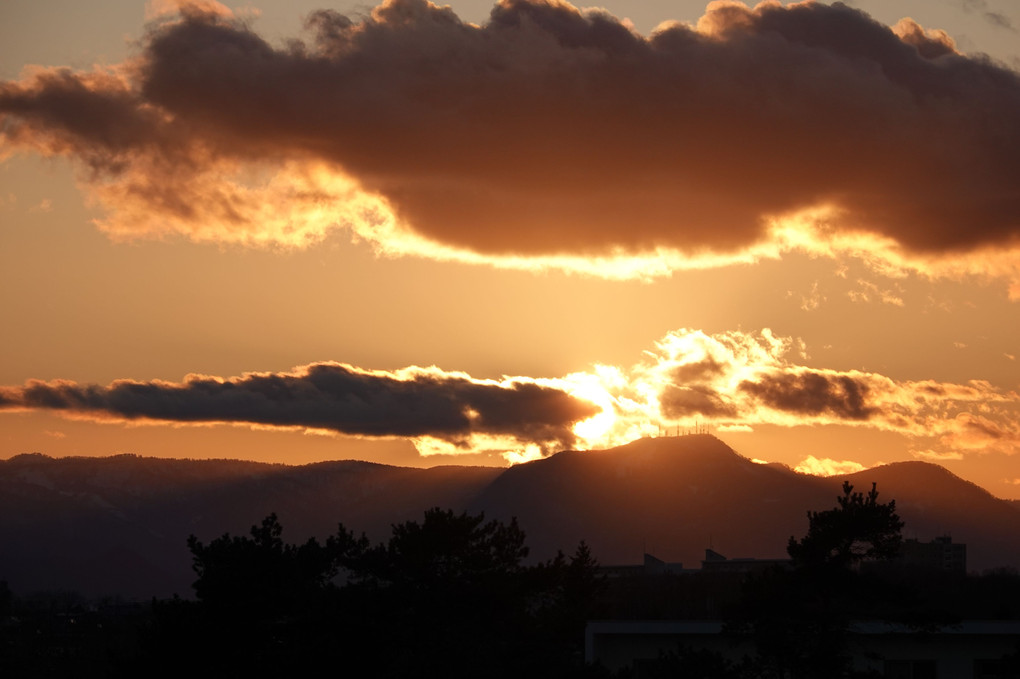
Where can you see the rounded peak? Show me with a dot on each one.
(928, 477)
(685, 443)
(913, 468)
(28, 458)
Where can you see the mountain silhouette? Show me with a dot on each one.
(934, 502)
(119, 524)
(675, 496)
(671, 497)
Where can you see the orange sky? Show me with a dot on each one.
(436, 235)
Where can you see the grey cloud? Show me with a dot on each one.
(811, 393)
(697, 371)
(678, 402)
(330, 396)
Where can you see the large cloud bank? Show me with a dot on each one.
(551, 135)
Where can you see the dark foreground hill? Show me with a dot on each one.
(119, 524)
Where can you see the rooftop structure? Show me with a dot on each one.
(717, 563)
(941, 554)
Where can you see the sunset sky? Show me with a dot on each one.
(477, 234)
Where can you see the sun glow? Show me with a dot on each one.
(589, 387)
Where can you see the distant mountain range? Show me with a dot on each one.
(118, 525)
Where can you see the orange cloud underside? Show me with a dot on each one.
(527, 141)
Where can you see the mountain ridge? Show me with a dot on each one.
(119, 524)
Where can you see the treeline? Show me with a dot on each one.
(450, 596)
(455, 596)
(447, 597)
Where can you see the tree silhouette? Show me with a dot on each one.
(571, 589)
(447, 596)
(859, 529)
(262, 577)
(265, 607)
(799, 618)
(447, 549)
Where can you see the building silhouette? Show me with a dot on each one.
(939, 554)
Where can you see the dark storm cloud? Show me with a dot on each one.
(330, 396)
(810, 393)
(548, 130)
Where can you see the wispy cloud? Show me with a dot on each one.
(45, 205)
(936, 456)
(867, 291)
(827, 467)
(155, 9)
(813, 300)
(526, 141)
(997, 19)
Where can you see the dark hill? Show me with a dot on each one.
(672, 497)
(933, 502)
(119, 524)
